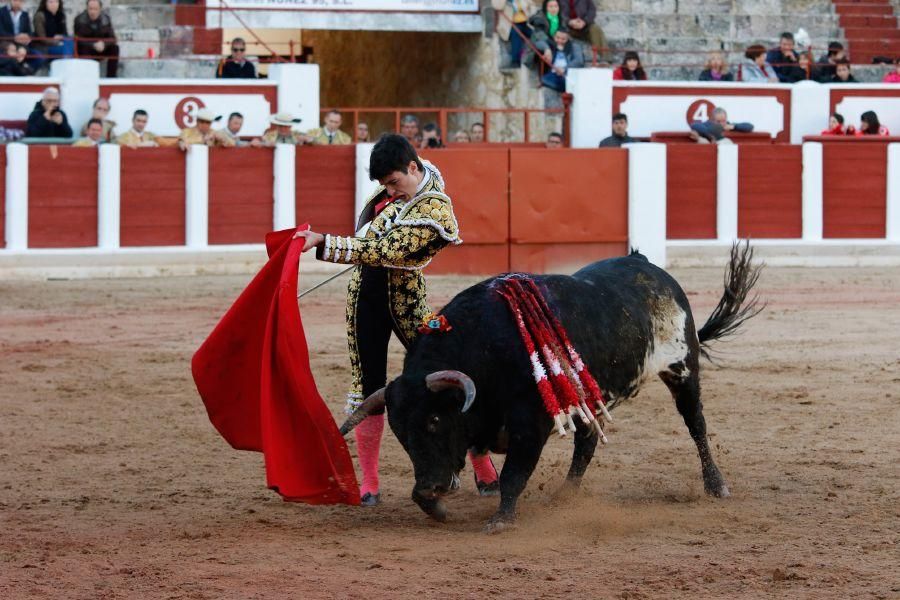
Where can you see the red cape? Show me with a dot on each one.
(253, 375)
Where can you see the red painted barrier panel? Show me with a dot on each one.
(568, 207)
(691, 192)
(854, 190)
(2, 197)
(240, 195)
(326, 188)
(62, 197)
(152, 187)
(770, 191)
(477, 181)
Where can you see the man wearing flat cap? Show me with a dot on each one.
(203, 133)
(282, 132)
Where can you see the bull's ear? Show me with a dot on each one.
(442, 380)
(370, 404)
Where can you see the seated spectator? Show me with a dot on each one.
(630, 69)
(825, 68)
(100, 110)
(714, 129)
(47, 120)
(409, 128)
(283, 133)
(461, 137)
(565, 57)
(13, 61)
(869, 125)
(362, 132)
(544, 23)
(51, 30)
(233, 128)
(554, 141)
(784, 60)
(203, 134)
(476, 133)
(755, 69)
(138, 136)
(619, 133)
(805, 64)
(236, 65)
(330, 133)
(578, 18)
(893, 76)
(10, 135)
(716, 69)
(842, 72)
(836, 126)
(431, 137)
(94, 137)
(15, 25)
(95, 36)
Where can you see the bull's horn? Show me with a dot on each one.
(442, 380)
(373, 402)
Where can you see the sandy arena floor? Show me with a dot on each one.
(113, 484)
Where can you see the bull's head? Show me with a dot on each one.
(426, 415)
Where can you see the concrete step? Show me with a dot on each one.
(143, 17)
(871, 33)
(138, 43)
(199, 67)
(877, 21)
(848, 8)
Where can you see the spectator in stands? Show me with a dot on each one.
(619, 133)
(203, 133)
(476, 133)
(716, 69)
(462, 137)
(409, 128)
(869, 125)
(544, 24)
(233, 129)
(236, 65)
(15, 23)
(825, 70)
(362, 132)
(94, 135)
(283, 133)
(138, 136)
(784, 59)
(755, 69)
(330, 133)
(565, 57)
(842, 72)
(554, 140)
(13, 60)
(519, 31)
(578, 17)
(10, 135)
(714, 129)
(836, 126)
(631, 68)
(893, 76)
(431, 136)
(97, 37)
(51, 31)
(806, 67)
(47, 120)
(100, 110)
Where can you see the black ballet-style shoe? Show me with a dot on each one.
(370, 499)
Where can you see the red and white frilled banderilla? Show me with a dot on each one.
(566, 387)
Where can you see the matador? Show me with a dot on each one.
(404, 224)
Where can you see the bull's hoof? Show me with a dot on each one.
(721, 491)
(432, 507)
(495, 525)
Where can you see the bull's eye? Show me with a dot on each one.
(433, 422)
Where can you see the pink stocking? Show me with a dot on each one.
(368, 445)
(484, 468)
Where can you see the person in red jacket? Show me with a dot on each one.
(630, 68)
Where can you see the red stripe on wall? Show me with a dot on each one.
(62, 197)
(152, 209)
(854, 190)
(240, 195)
(326, 188)
(691, 192)
(770, 191)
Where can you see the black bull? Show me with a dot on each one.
(626, 317)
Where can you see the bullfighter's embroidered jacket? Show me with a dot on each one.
(402, 239)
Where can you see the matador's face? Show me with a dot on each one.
(402, 186)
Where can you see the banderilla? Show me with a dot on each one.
(330, 279)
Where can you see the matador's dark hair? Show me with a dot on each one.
(392, 152)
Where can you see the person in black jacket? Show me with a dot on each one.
(15, 23)
(47, 120)
(236, 66)
(842, 72)
(96, 36)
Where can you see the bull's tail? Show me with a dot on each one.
(733, 308)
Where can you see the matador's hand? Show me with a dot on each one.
(312, 238)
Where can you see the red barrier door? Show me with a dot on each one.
(62, 197)
(152, 207)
